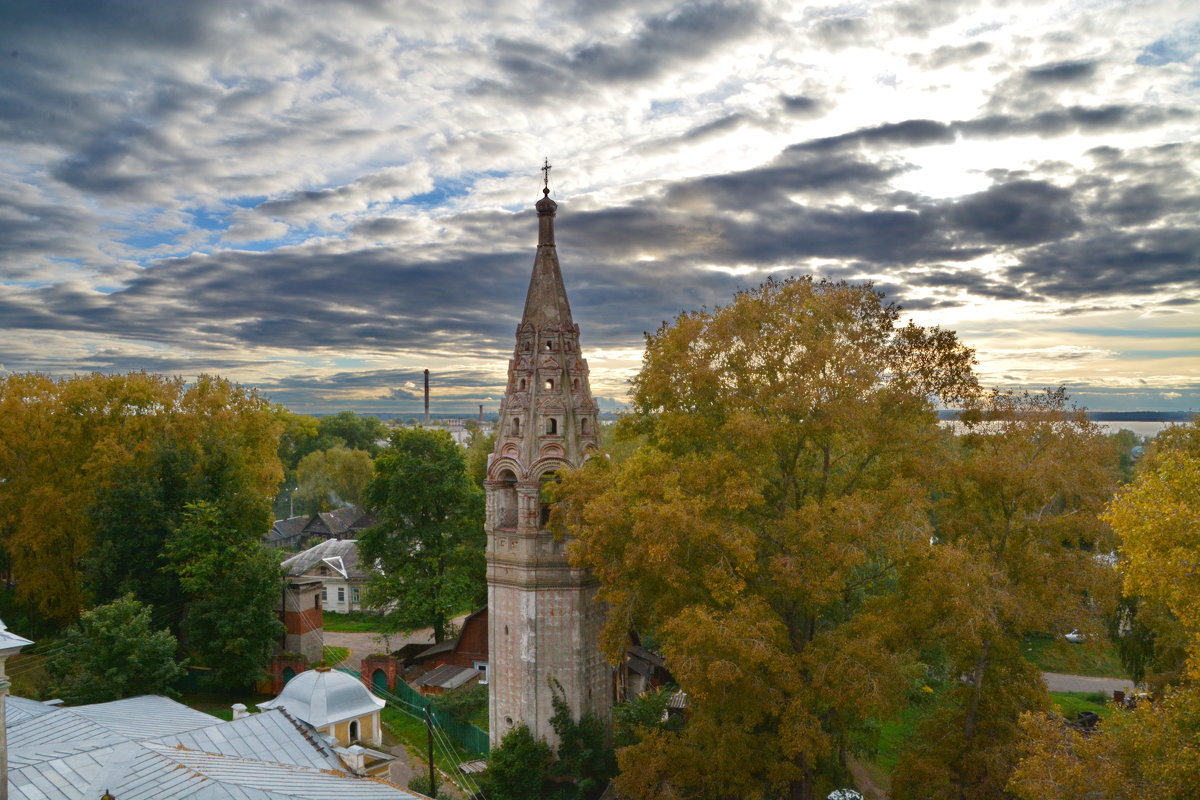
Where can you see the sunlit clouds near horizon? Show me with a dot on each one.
(324, 199)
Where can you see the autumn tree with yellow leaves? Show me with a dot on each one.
(772, 530)
(95, 471)
(1017, 524)
(1152, 751)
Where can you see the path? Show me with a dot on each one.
(1057, 682)
(362, 645)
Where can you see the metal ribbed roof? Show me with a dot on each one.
(323, 697)
(79, 753)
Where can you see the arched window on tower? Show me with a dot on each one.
(550, 384)
(575, 385)
(516, 429)
(549, 346)
(551, 426)
(521, 385)
(354, 730)
(506, 501)
(584, 428)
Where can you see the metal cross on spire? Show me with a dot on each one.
(546, 174)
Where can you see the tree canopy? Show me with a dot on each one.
(327, 479)
(1148, 751)
(770, 527)
(231, 586)
(429, 543)
(113, 652)
(94, 471)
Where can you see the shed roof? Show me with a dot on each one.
(447, 676)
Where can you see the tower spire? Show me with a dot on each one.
(543, 618)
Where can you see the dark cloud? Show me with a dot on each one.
(1018, 213)
(686, 33)
(1063, 72)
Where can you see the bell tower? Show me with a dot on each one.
(543, 618)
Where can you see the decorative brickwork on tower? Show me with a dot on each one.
(544, 621)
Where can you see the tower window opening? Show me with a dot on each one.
(549, 346)
(583, 426)
(550, 384)
(521, 385)
(354, 730)
(551, 425)
(516, 426)
(506, 501)
(575, 385)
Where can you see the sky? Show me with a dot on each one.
(323, 199)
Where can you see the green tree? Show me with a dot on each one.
(231, 586)
(584, 762)
(1019, 508)
(354, 431)
(518, 768)
(430, 542)
(769, 529)
(479, 447)
(113, 652)
(326, 479)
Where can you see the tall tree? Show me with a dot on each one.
(327, 479)
(430, 542)
(113, 652)
(1019, 504)
(70, 448)
(769, 529)
(1149, 751)
(232, 585)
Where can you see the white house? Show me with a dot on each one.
(335, 563)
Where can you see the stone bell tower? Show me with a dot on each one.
(543, 618)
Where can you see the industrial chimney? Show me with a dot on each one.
(426, 397)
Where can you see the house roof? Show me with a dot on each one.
(79, 753)
(323, 697)
(447, 676)
(339, 555)
(338, 523)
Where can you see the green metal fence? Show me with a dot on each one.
(467, 736)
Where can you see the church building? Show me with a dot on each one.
(544, 621)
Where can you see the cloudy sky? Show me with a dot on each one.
(322, 199)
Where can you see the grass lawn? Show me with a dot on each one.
(332, 656)
(354, 622)
(896, 732)
(1093, 658)
(1069, 704)
(219, 704)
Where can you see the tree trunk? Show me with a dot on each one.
(972, 714)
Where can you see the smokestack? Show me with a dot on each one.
(426, 397)
(481, 413)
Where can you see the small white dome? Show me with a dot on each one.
(323, 697)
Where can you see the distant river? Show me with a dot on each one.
(1149, 429)
(1140, 428)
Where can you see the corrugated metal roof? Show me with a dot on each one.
(79, 753)
(447, 676)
